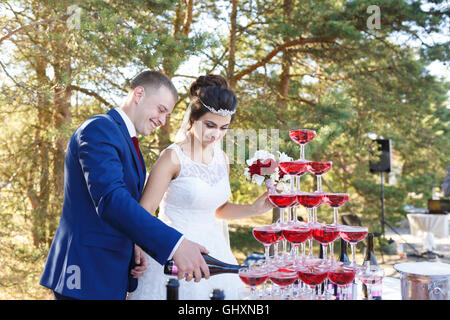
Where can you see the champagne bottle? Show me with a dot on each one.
(215, 266)
(217, 294)
(172, 289)
(369, 255)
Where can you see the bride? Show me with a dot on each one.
(190, 184)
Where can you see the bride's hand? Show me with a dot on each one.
(262, 204)
(141, 262)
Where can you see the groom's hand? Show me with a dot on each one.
(188, 259)
(141, 262)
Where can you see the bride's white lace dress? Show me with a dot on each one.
(189, 206)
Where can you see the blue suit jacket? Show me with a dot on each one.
(92, 250)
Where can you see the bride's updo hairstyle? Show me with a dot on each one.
(213, 91)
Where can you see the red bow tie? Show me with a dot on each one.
(136, 146)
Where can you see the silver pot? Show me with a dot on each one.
(423, 285)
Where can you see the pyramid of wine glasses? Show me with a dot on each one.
(293, 275)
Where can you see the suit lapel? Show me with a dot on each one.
(116, 116)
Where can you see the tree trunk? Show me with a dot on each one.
(164, 135)
(62, 118)
(232, 45)
(40, 201)
(285, 76)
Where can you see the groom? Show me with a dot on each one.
(96, 252)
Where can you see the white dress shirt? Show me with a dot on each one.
(132, 132)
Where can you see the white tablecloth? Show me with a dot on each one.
(428, 226)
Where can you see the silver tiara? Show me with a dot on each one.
(221, 112)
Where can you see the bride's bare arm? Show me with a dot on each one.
(231, 210)
(166, 168)
(187, 256)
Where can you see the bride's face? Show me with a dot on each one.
(210, 128)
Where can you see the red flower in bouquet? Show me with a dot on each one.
(263, 167)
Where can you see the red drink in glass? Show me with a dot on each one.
(294, 168)
(336, 200)
(296, 234)
(283, 277)
(283, 200)
(371, 280)
(267, 234)
(353, 236)
(302, 136)
(341, 275)
(319, 167)
(252, 279)
(324, 233)
(312, 276)
(310, 200)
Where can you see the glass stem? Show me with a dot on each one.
(275, 251)
(353, 253)
(336, 215)
(303, 251)
(332, 252)
(302, 152)
(267, 252)
(369, 292)
(319, 183)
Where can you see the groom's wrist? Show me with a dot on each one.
(175, 247)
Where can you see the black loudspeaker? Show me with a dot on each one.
(384, 161)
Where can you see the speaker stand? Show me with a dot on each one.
(383, 221)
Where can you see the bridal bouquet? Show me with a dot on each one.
(263, 167)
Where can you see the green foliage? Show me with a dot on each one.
(345, 81)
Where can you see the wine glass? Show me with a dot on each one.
(302, 137)
(324, 234)
(253, 277)
(353, 235)
(309, 201)
(336, 200)
(267, 235)
(296, 234)
(318, 168)
(313, 276)
(371, 275)
(283, 278)
(283, 201)
(295, 168)
(342, 275)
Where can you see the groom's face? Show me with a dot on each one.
(152, 108)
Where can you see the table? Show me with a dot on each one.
(428, 226)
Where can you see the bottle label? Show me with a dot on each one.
(174, 270)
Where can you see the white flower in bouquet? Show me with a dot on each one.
(263, 167)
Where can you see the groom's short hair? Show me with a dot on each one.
(153, 80)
